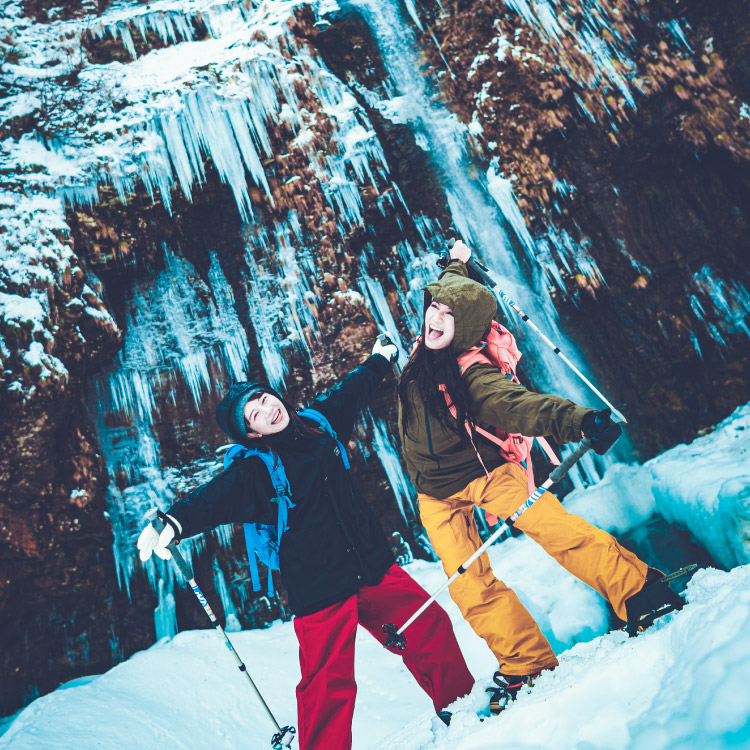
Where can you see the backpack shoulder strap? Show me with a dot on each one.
(324, 424)
(319, 418)
(499, 349)
(273, 463)
(474, 355)
(253, 539)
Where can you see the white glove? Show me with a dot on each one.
(151, 541)
(385, 347)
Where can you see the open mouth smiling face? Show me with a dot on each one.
(439, 326)
(265, 415)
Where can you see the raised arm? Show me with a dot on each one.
(459, 254)
(455, 268)
(343, 404)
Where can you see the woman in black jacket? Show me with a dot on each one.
(335, 563)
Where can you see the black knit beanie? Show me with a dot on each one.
(230, 411)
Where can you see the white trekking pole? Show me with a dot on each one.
(284, 735)
(395, 637)
(481, 274)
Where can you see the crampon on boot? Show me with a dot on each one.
(654, 600)
(506, 690)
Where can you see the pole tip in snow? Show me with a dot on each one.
(394, 639)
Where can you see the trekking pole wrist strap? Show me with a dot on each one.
(169, 521)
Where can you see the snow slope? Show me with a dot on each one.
(681, 685)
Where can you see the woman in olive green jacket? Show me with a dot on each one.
(453, 473)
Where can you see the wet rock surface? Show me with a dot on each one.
(645, 222)
(655, 192)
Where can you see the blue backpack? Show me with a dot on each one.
(263, 539)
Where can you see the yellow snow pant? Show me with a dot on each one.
(490, 607)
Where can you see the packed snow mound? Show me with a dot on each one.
(681, 685)
(703, 486)
(678, 686)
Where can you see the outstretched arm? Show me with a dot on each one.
(234, 496)
(501, 403)
(343, 404)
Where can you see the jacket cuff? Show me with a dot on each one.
(378, 364)
(177, 513)
(456, 268)
(578, 415)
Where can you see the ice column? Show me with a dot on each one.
(165, 614)
(183, 338)
(402, 489)
(474, 210)
(232, 622)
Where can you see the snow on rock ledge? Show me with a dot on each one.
(703, 486)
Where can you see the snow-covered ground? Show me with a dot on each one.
(681, 685)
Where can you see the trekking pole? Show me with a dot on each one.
(284, 735)
(481, 274)
(385, 339)
(395, 637)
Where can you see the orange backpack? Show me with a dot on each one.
(501, 351)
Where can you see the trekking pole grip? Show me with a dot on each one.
(179, 560)
(560, 471)
(477, 271)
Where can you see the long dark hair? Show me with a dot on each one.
(425, 371)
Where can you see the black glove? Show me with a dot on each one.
(599, 428)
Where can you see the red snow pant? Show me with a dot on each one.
(326, 692)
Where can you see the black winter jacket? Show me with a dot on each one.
(334, 543)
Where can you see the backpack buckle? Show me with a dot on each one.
(281, 494)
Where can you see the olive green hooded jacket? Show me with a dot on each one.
(439, 460)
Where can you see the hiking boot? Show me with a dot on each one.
(507, 689)
(652, 601)
(445, 717)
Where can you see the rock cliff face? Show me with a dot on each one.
(245, 195)
(624, 131)
(128, 309)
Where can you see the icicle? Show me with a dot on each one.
(227, 324)
(676, 30)
(412, 8)
(389, 458)
(502, 192)
(171, 26)
(231, 621)
(730, 300)
(165, 613)
(383, 316)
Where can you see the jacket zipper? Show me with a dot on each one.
(429, 437)
(336, 510)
